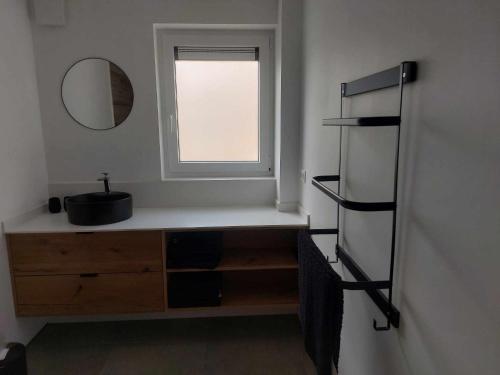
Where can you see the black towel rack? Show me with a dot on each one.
(399, 75)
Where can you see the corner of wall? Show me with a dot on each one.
(23, 181)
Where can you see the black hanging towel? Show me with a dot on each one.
(321, 305)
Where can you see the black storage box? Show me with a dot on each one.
(194, 289)
(194, 250)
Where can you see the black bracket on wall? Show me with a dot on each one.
(406, 72)
(400, 75)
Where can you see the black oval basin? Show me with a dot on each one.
(99, 208)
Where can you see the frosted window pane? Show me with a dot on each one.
(218, 110)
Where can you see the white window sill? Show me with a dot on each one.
(184, 179)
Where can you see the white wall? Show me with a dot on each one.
(288, 102)
(447, 272)
(122, 31)
(23, 174)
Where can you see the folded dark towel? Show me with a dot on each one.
(321, 305)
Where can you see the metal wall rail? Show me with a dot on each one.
(398, 76)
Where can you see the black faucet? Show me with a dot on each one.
(106, 182)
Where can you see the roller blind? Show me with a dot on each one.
(216, 53)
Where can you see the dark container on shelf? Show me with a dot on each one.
(194, 250)
(194, 289)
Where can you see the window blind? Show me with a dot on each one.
(216, 53)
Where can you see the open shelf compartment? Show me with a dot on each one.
(255, 290)
(260, 288)
(238, 259)
(248, 250)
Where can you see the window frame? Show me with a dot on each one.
(165, 41)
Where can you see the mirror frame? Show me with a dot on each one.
(71, 115)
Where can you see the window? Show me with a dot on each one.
(215, 102)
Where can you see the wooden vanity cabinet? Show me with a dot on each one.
(126, 272)
(87, 273)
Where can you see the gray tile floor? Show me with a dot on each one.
(243, 346)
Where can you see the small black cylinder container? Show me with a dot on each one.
(54, 205)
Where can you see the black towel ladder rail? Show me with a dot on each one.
(400, 75)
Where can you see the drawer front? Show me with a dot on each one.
(89, 294)
(76, 253)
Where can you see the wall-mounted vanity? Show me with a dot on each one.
(122, 268)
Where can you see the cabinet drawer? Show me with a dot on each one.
(90, 294)
(76, 253)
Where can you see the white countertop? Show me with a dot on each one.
(166, 218)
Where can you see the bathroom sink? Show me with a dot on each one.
(99, 208)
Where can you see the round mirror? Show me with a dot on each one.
(97, 93)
